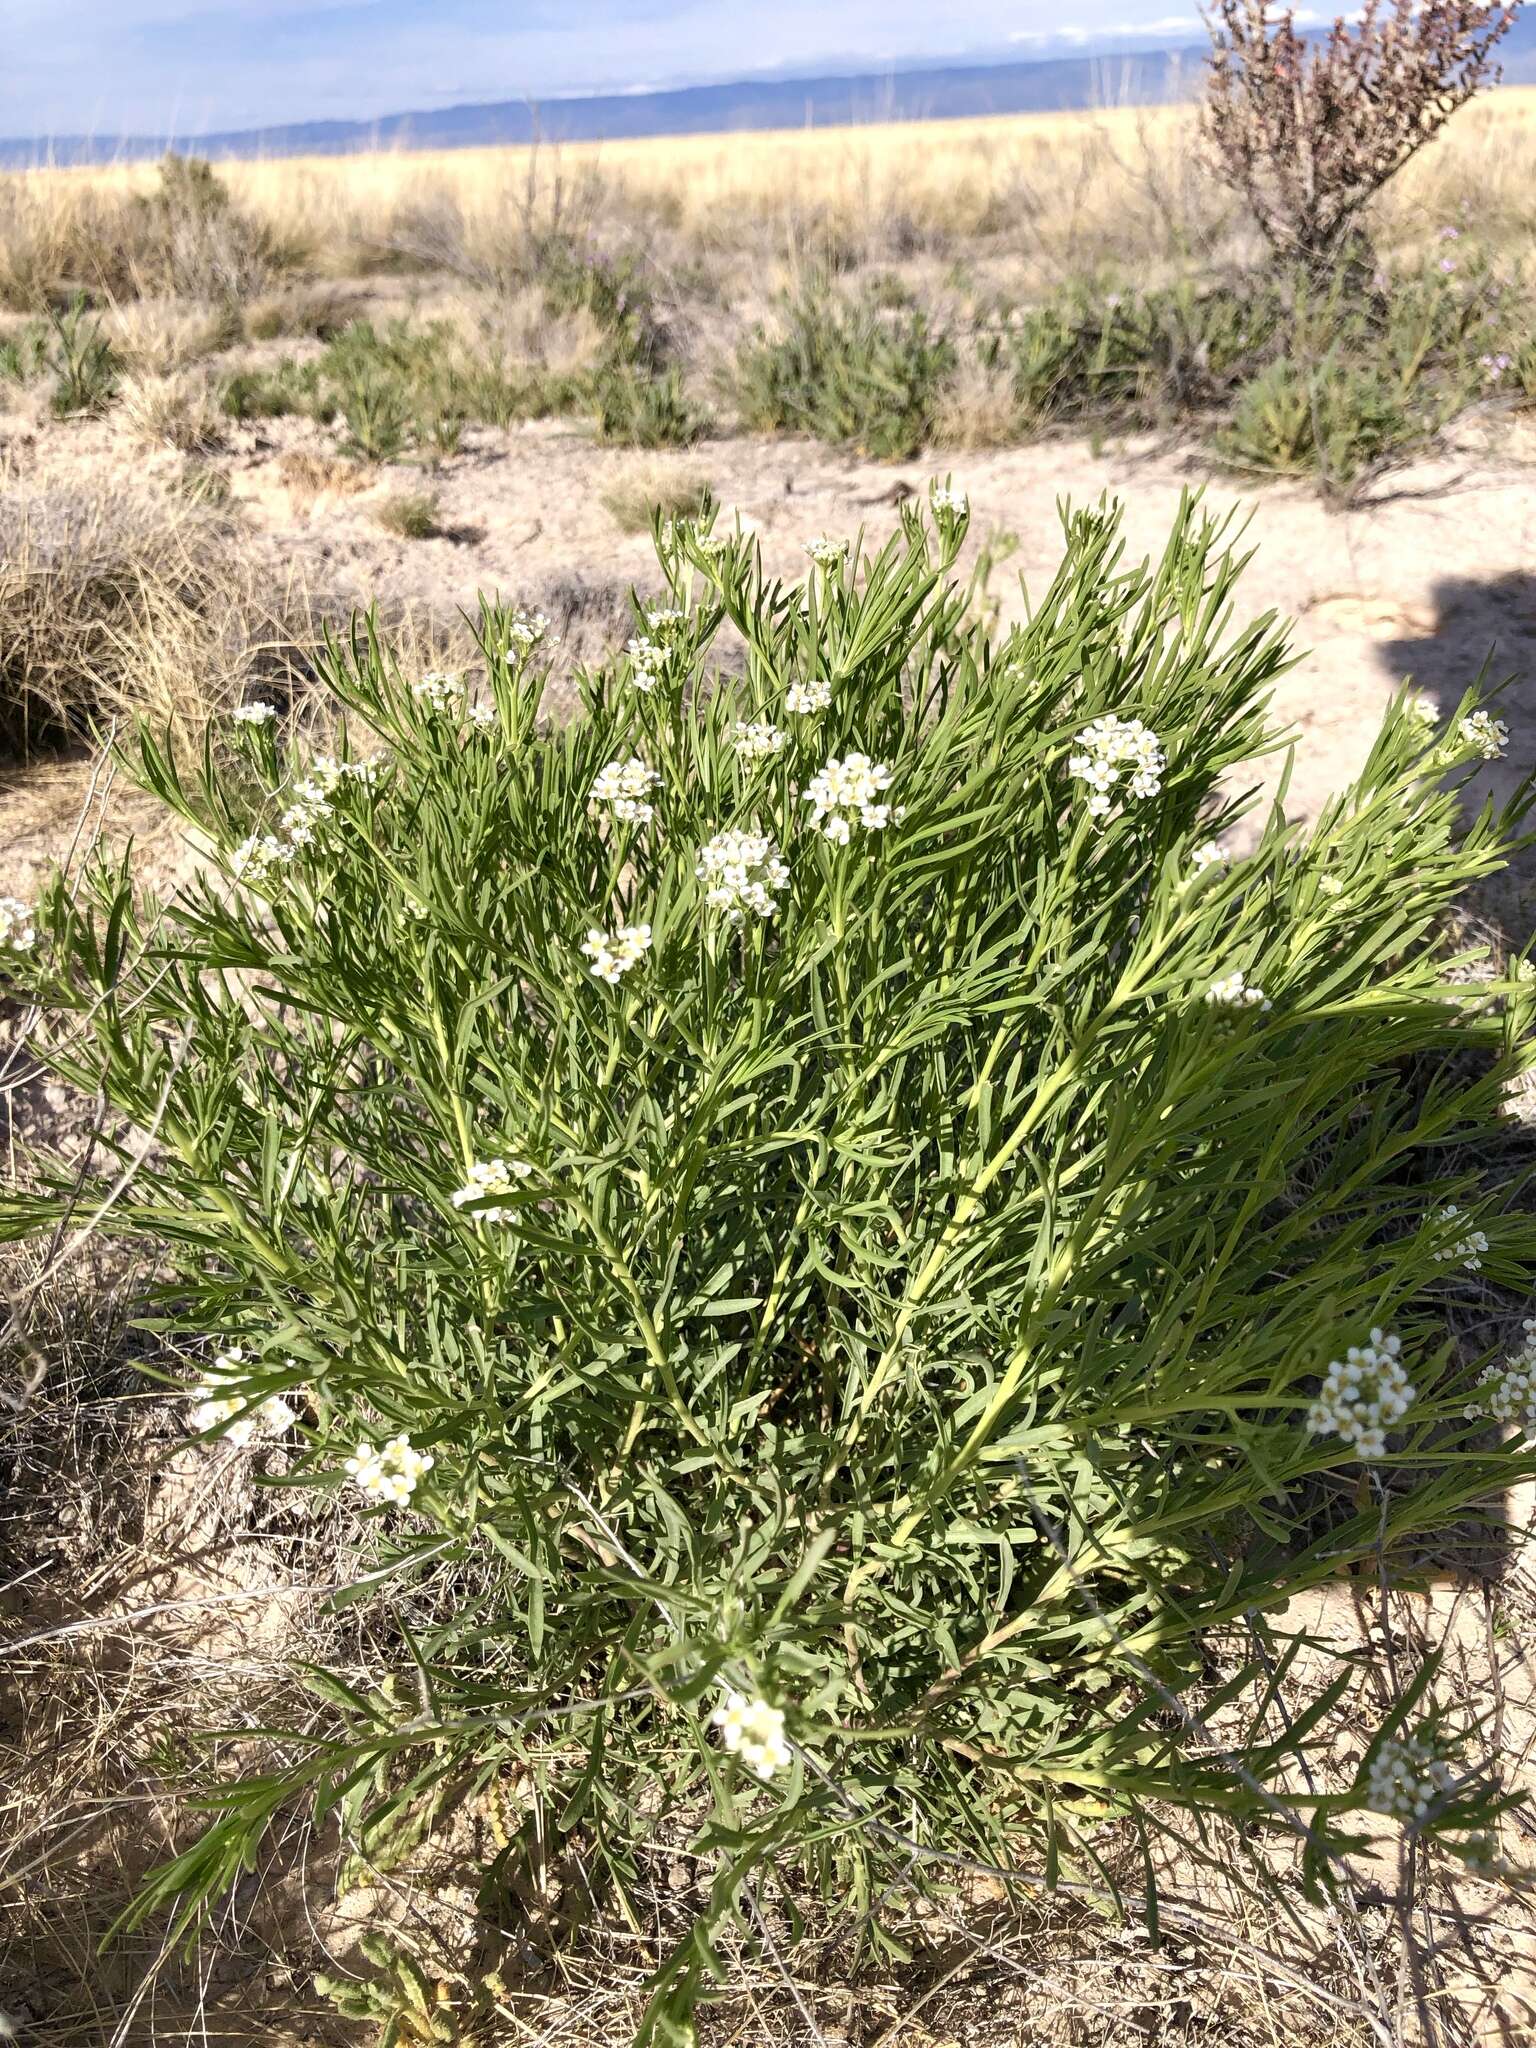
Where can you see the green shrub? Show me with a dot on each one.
(847, 371)
(905, 1310)
(289, 387)
(1089, 353)
(1340, 419)
(24, 355)
(644, 411)
(81, 358)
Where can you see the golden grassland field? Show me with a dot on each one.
(1071, 187)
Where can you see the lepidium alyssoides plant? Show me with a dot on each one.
(857, 1254)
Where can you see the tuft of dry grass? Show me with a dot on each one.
(312, 473)
(171, 409)
(410, 515)
(655, 483)
(158, 336)
(978, 407)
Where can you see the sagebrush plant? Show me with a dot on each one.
(860, 1253)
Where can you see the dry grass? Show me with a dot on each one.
(1062, 192)
(410, 515)
(171, 409)
(654, 483)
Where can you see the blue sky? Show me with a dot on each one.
(175, 68)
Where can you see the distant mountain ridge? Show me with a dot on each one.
(1113, 77)
(933, 93)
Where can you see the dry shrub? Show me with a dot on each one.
(410, 515)
(311, 473)
(173, 409)
(318, 311)
(161, 335)
(978, 407)
(114, 599)
(652, 483)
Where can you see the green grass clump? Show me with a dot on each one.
(814, 1206)
(857, 372)
(85, 369)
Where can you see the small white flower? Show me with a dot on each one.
(1234, 992)
(1330, 885)
(1509, 1390)
(663, 618)
(327, 773)
(1423, 707)
(1485, 735)
(254, 859)
(1211, 855)
(806, 699)
(526, 629)
(754, 1731)
(440, 690)
(825, 552)
(1109, 747)
(945, 498)
(255, 714)
(1363, 1395)
(756, 741)
(491, 1177)
(217, 1401)
(740, 872)
(389, 1472)
(612, 954)
(1468, 1245)
(483, 717)
(847, 790)
(1406, 1780)
(626, 786)
(18, 934)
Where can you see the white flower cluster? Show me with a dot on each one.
(255, 714)
(944, 498)
(483, 717)
(440, 689)
(527, 629)
(1234, 992)
(664, 618)
(1509, 1390)
(1467, 1247)
(824, 551)
(613, 953)
(849, 790)
(215, 1402)
(625, 786)
(491, 1177)
(1406, 1779)
(1423, 707)
(1363, 1396)
(754, 1731)
(390, 1471)
(740, 871)
(646, 658)
(1485, 735)
(1110, 746)
(327, 774)
(254, 859)
(18, 934)
(757, 740)
(1211, 855)
(808, 698)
